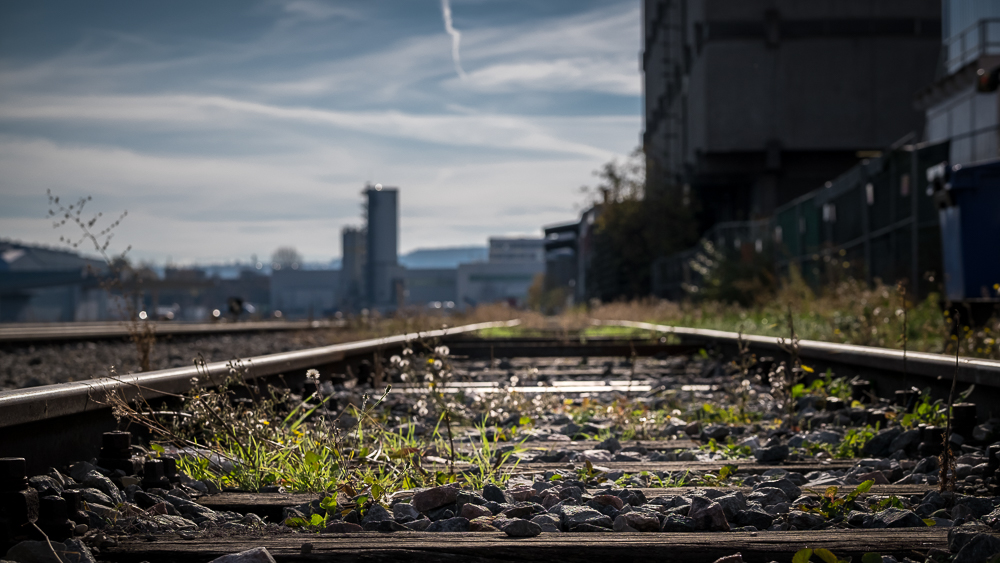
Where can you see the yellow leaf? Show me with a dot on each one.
(808, 369)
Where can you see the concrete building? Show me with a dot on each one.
(751, 103)
(300, 294)
(957, 111)
(430, 287)
(512, 267)
(40, 284)
(382, 242)
(568, 254)
(515, 250)
(353, 268)
(506, 282)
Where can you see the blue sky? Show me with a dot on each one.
(230, 128)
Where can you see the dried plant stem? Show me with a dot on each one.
(451, 441)
(947, 457)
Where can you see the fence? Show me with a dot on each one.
(875, 221)
(980, 38)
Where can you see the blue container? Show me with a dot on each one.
(970, 232)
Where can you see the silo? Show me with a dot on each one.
(383, 242)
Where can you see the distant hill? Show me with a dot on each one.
(444, 257)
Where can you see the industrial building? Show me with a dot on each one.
(382, 283)
(897, 214)
(40, 284)
(568, 255)
(305, 293)
(752, 103)
(353, 267)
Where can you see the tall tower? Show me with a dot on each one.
(353, 269)
(383, 242)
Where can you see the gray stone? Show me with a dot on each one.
(610, 444)
(791, 490)
(753, 517)
(979, 549)
(70, 551)
(97, 481)
(456, 524)
(548, 522)
(574, 516)
(708, 515)
(434, 498)
(767, 496)
(926, 465)
(934, 500)
(496, 494)
(879, 445)
(419, 525)
(255, 555)
(637, 521)
(771, 454)
(472, 511)
(42, 482)
(732, 504)
(94, 496)
(521, 529)
(906, 441)
(385, 526)
(677, 523)
(570, 429)
(716, 431)
(80, 469)
(404, 512)
(896, 518)
(805, 520)
(377, 513)
(824, 437)
(993, 519)
(977, 506)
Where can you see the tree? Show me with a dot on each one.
(286, 257)
(635, 226)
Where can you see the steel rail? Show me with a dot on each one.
(921, 364)
(41, 332)
(23, 406)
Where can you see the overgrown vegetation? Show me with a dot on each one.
(849, 312)
(244, 436)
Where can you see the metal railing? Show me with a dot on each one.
(980, 38)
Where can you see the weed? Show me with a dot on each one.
(832, 506)
(827, 556)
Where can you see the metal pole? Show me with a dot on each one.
(914, 223)
(865, 227)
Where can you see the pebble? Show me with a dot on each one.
(708, 515)
(435, 497)
(456, 524)
(521, 529)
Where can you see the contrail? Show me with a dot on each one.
(456, 37)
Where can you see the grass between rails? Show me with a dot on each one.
(849, 312)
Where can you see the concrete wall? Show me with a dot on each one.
(754, 102)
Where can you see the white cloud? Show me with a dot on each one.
(560, 75)
(494, 131)
(216, 154)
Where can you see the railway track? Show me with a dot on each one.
(24, 333)
(57, 425)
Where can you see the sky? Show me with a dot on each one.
(230, 128)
